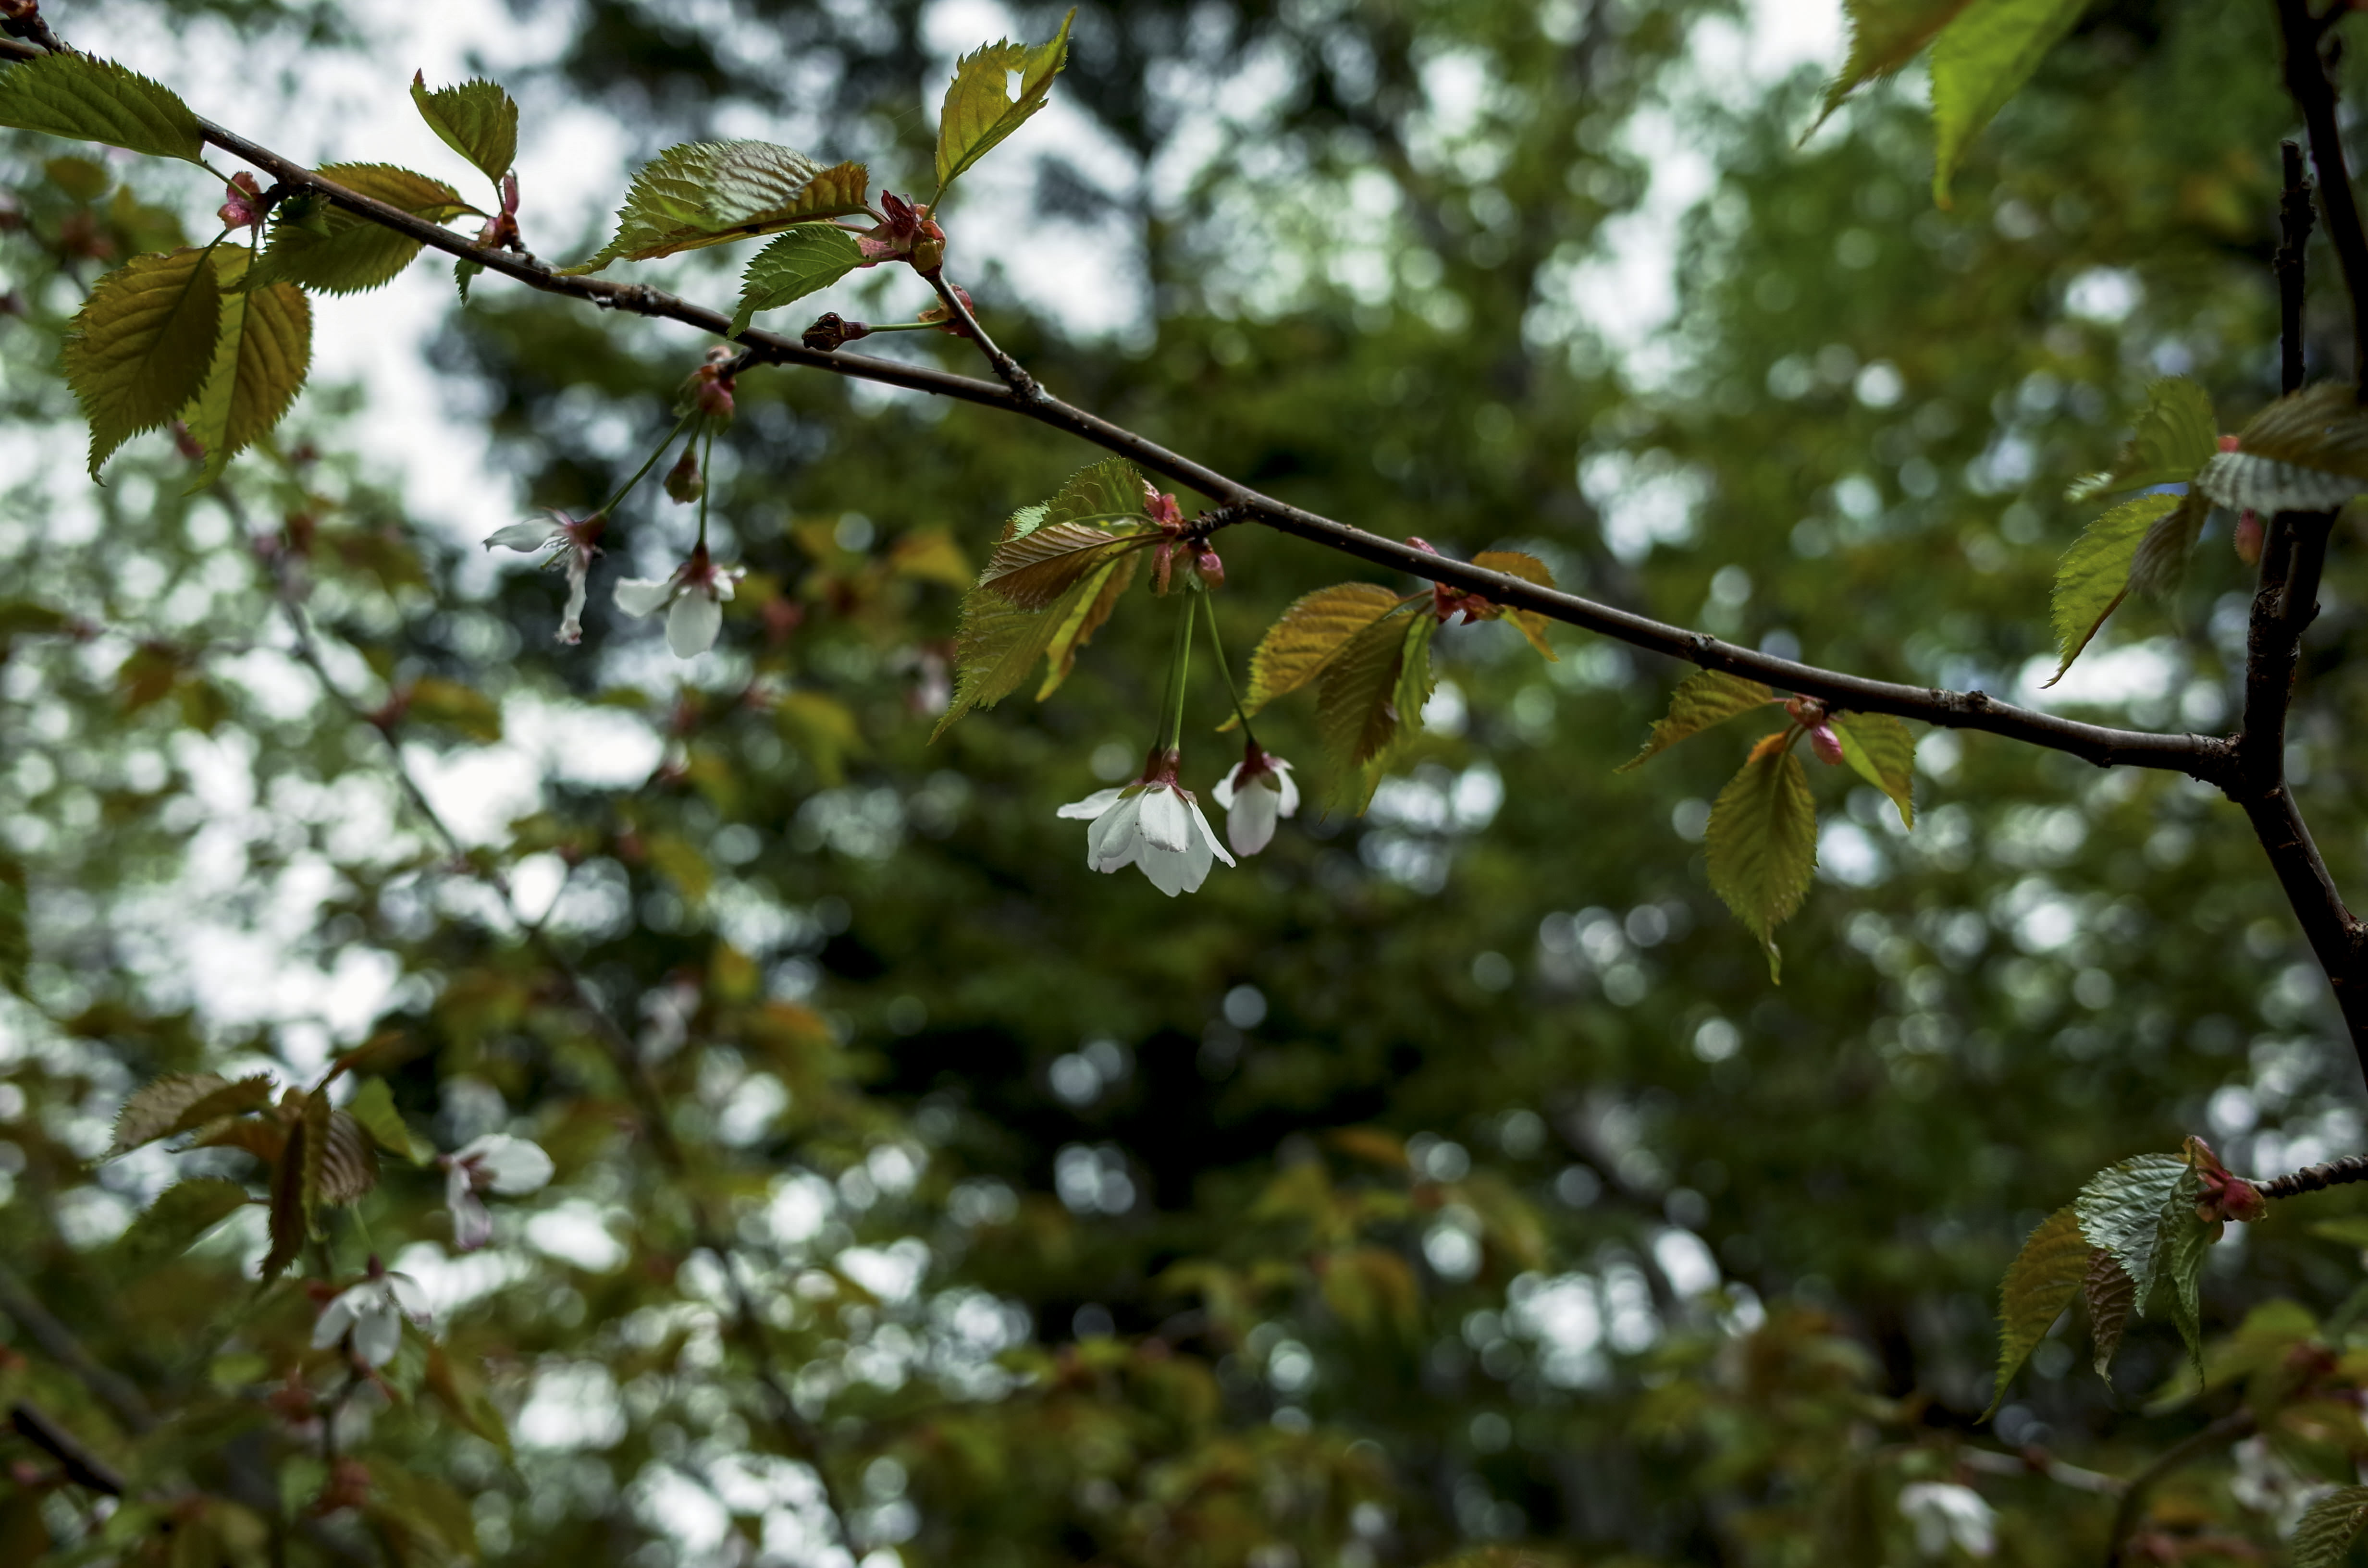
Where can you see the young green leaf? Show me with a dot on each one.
(476, 120)
(1885, 36)
(454, 1382)
(372, 1109)
(154, 1109)
(2094, 576)
(349, 1160)
(1880, 750)
(331, 251)
(1310, 634)
(1704, 699)
(464, 272)
(260, 361)
(1038, 567)
(2176, 434)
(807, 259)
(2328, 1527)
(1356, 713)
(979, 111)
(309, 1152)
(1529, 569)
(181, 1213)
(2040, 1283)
(1085, 616)
(2161, 558)
(706, 193)
(2180, 1247)
(142, 345)
(1981, 58)
(2306, 452)
(2111, 1294)
(2121, 1209)
(1761, 843)
(92, 99)
(1110, 491)
(290, 1216)
(998, 641)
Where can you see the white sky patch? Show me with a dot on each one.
(2133, 673)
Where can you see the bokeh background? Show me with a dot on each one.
(1448, 1180)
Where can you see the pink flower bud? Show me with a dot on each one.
(1162, 563)
(683, 482)
(1205, 561)
(1806, 711)
(1826, 743)
(2227, 443)
(2247, 537)
(244, 207)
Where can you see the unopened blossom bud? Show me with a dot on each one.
(1205, 561)
(709, 390)
(348, 1486)
(2225, 1195)
(186, 444)
(683, 482)
(831, 332)
(244, 207)
(2247, 537)
(1805, 711)
(1826, 743)
(1162, 563)
(2227, 443)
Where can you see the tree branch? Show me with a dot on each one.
(2312, 92)
(1022, 383)
(121, 1397)
(2230, 1427)
(2200, 756)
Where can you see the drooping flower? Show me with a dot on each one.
(372, 1311)
(1257, 794)
(1946, 1514)
(1154, 824)
(696, 593)
(496, 1164)
(572, 542)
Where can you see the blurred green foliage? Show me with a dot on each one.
(1448, 1185)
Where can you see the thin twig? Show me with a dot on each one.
(83, 1468)
(1022, 383)
(121, 1397)
(2230, 1427)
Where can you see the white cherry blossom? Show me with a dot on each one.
(1257, 794)
(497, 1164)
(572, 542)
(372, 1311)
(1154, 825)
(693, 599)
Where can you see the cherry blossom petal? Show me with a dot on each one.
(334, 1319)
(1250, 819)
(1165, 825)
(1204, 843)
(1223, 793)
(377, 1332)
(513, 1166)
(692, 624)
(1091, 806)
(644, 595)
(1113, 841)
(1285, 788)
(522, 535)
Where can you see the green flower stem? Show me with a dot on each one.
(1209, 603)
(648, 464)
(706, 481)
(1181, 666)
(904, 326)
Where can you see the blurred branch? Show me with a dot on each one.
(2316, 1178)
(2312, 91)
(82, 1467)
(2201, 756)
(2230, 1427)
(122, 1398)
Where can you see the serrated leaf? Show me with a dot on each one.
(476, 120)
(2318, 427)
(2040, 1283)
(1309, 634)
(1885, 36)
(1702, 699)
(464, 272)
(1880, 750)
(260, 360)
(372, 1109)
(807, 260)
(1042, 565)
(1110, 491)
(1981, 58)
(980, 111)
(2094, 576)
(181, 1213)
(2179, 1247)
(706, 193)
(231, 1099)
(140, 346)
(310, 1153)
(331, 251)
(1087, 612)
(996, 645)
(290, 1217)
(2175, 435)
(264, 1136)
(1357, 696)
(349, 1160)
(2161, 558)
(1529, 569)
(154, 1108)
(2244, 482)
(2121, 1209)
(2328, 1527)
(1761, 843)
(2111, 1294)
(92, 99)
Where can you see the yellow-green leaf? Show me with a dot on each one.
(1762, 843)
(1981, 58)
(92, 99)
(1529, 569)
(2328, 1527)
(476, 120)
(2040, 1283)
(2179, 1252)
(260, 360)
(372, 1109)
(2176, 434)
(2094, 576)
(1369, 696)
(1311, 633)
(1084, 615)
(1110, 491)
(678, 861)
(706, 193)
(181, 1213)
(1702, 699)
(980, 111)
(1885, 36)
(142, 345)
(1042, 564)
(807, 259)
(998, 642)
(335, 252)
(1881, 751)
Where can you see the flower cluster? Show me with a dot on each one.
(1155, 824)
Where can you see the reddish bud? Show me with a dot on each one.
(244, 207)
(832, 332)
(188, 446)
(1206, 563)
(944, 317)
(2224, 1196)
(1806, 711)
(683, 482)
(1162, 563)
(2247, 537)
(2227, 443)
(1826, 743)
(1165, 514)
